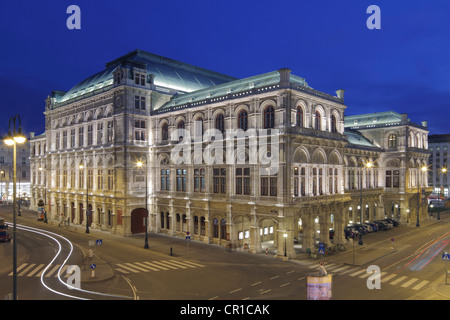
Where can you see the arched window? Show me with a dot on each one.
(299, 117)
(317, 120)
(243, 120)
(269, 117)
(220, 123)
(333, 123)
(165, 131)
(181, 124)
(392, 141)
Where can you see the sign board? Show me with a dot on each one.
(99, 242)
(318, 287)
(188, 236)
(321, 248)
(446, 256)
(93, 266)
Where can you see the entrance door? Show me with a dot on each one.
(137, 220)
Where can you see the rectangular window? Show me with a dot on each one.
(64, 184)
(57, 140)
(264, 186)
(99, 132)
(165, 180)
(199, 180)
(72, 178)
(110, 179)
(181, 179)
(90, 134)
(80, 136)
(396, 179)
(219, 180)
(139, 78)
(139, 102)
(139, 130)
(388, 179)
(99, 179)
(72, 138)
(110, 131)
(65, 139)
(81, 179)
(243, 181)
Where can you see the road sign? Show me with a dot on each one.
(321, 248)
(99, 242)
(93, 266)
(446, 256)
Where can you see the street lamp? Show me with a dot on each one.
(45, 194)
(88, 213)
(367, 165)
(139, 165)
(423, 169)
(1, 185)
(12, 139)
(443, 170)
(285, 237)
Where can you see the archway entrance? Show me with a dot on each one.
(137, 220)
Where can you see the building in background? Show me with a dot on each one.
(264, 159)
(22, 172)
(439, 145)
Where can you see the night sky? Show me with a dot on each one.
(403, 67)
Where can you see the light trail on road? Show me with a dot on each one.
(51, 235)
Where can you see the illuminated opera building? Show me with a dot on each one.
(255, 162)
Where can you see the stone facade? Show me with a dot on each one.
(240, 161)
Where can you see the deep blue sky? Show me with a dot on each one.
(404, 67)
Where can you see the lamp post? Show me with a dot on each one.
(140, 164)
(45, 194)
(88, 213)
(367, 165)
(1, 185)
(443, 170)
(423, 169)
(285, 237)
(12, 139)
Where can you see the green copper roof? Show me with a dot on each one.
(356, 138)
(234, 88)
(167, 73)
(372, 119)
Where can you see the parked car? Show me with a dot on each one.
(382, 225)
(390, 224)
(394, 222)
(361, 228)
(373, 226)
(5, 236)
(350, 232)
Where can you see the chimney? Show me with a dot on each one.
(404, 117)
(285, 76)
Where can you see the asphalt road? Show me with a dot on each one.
(172, 269)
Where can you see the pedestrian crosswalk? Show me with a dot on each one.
(391, 279)
(35, 270)
(162, 265)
